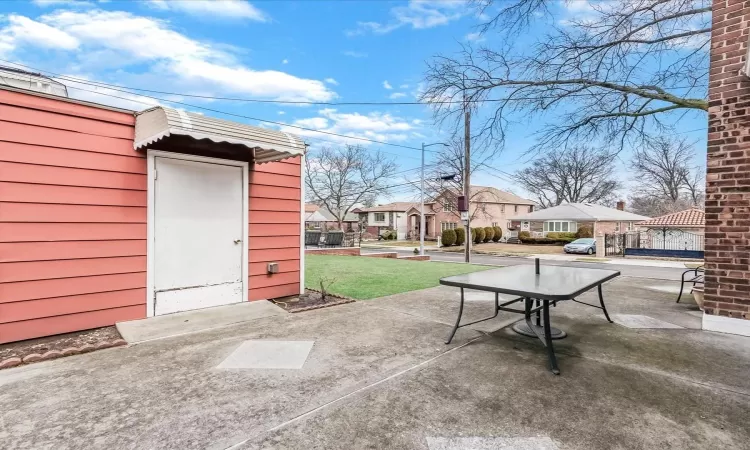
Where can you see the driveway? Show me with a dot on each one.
(378, 375)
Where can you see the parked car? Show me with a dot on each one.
(584, 245)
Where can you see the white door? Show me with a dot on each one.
(198, 235)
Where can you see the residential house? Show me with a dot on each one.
(682, 230)
(488, 206)
(568, 217)
(322, 218)
(108, 215)
(391, 216)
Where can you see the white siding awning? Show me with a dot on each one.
(155, 124)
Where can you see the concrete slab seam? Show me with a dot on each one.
(357, 391)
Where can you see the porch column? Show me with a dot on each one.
(727, 286)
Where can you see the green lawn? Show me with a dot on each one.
(363, 278)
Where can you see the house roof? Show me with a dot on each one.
(311, 207)
(584, 212)
(689, 218)
(315, 216)
(395, 207)
(349, 217)
(488, 194)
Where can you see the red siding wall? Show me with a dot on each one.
(72, 217)
(73, 196)
(275, 216)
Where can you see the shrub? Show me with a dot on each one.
(460, 236)
(498, 233)
(448, 238)
(489, 233)
(524, 235)
(478, 235)
(584, 231)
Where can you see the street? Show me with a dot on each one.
(663, 273)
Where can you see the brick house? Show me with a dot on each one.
(568, 217)
(488, 207)
(727, 287)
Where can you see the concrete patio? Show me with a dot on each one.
(378, 375)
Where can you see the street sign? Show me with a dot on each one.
(464, 215)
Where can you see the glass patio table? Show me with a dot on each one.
(537, 287)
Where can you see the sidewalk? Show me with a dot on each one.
(617, 261)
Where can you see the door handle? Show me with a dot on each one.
(237, 241)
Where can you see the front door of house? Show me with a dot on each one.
(198, 235)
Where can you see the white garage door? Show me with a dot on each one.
(198, 235)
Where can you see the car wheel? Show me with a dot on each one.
(590, 251)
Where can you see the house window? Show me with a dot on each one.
(495, 224)
(449, 207)
(557, 226)
(531, 208)
(630, 226)
(379, 217)
(515, 208)
(447, 226)
(502, 209)
(617, 226)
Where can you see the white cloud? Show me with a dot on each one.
(578, 5)
(474, 37)
(396, 95)
(22, 30)
(387, 85)
(375, 125)
(281, 113)
(232, 9)
(417, 14)
(404, 86)
(331, 81)
(125, 39)
(354, 54)
(284, 61)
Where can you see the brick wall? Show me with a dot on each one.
(727, 289)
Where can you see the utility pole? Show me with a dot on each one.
(467, 176)
(421, 209)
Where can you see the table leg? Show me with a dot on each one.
(458, 320)
(548, 340)
(538, 314)
(601, 301)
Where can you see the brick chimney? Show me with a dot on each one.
(621, 205)
(727, 287)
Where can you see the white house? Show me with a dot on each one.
(387, 217)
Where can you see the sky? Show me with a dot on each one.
(317, 51)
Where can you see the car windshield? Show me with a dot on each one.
(587, 241)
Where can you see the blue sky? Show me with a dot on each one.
(280, 50)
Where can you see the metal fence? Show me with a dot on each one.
(655, 242)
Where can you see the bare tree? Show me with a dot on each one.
(666, 178)
(444, 179)
(577, 174)
(343, 177)
(620, 71)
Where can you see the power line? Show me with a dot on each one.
(128, 89)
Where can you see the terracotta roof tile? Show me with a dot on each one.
(689, 218)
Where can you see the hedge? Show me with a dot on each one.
(524, 235)
(543, 241)
(584, 231)
(489, 233)
(478, 235)
(460, 236)
(498, 233)
(567, 237)
(448, 238)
